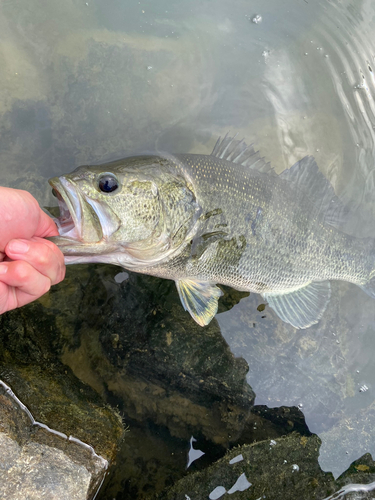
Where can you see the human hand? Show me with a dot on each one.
(29, 264)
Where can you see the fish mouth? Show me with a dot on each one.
(68, 226)
(78, 222)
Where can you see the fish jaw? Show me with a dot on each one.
(67, 223)
(100, 253)
(78, 220)
(83, 229)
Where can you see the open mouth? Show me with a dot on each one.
(69, 221)
(82, 219)
(65, 223)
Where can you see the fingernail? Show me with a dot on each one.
(3, 268)
(18, 246)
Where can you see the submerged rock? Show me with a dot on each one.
(150, 460)
(284, 468)
(136, 350)
(134, 345)
(57, 437)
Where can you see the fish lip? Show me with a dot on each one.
(68, 223)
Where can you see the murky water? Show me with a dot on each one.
(91, 81)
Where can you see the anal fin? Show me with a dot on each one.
(302, 307)
(200, 298)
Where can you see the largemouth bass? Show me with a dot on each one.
(225, 218)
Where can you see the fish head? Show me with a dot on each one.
(133, 212)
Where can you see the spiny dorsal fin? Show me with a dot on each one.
(305, 175)
(235, 151)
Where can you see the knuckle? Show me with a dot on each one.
(21, 271)
(42, 256)
(49, 244)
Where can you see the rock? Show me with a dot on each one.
(51, 427)
(286, 467)
(150, 460)
(156, 364)
(358, 479)
(283, 468)
(138, 347)
(37, 461)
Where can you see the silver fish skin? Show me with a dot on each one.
(225, 218)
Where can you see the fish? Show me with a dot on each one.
(221, 219)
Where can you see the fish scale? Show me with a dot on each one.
(288, 228)
(225, 218)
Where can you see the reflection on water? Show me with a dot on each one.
(91, 81)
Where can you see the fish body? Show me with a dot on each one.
(225, 218)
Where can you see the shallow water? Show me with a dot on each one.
(92, 81)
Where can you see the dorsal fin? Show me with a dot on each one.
(305, 175)
(235, 151)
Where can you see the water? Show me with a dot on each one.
(93, 81)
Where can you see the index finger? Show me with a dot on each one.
(42, 254)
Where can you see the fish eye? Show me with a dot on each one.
(108, 183)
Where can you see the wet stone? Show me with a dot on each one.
(289, 470)
(132, 343)
(36, 470)
(57, 437)
(267, 471)
(153, 360)
(37, 461)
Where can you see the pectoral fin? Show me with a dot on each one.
(200, 298)
(303, 307)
